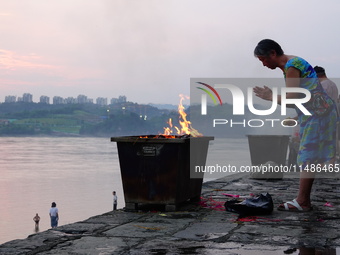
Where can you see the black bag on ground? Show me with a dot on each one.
(257, 205)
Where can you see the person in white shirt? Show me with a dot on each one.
(115, 198)
(54, 215)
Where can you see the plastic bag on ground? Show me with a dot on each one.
(257, 205)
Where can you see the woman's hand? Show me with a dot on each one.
(264, 93)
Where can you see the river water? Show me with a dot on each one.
(79, 174)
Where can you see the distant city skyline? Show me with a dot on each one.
(81, 99)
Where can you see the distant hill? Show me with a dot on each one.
(129, 119)
(21, 118)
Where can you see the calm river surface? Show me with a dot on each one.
(79, 174)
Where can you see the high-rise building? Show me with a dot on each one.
(122, 99)
(82, 99)
(10, 99)
(70, 100)
(58, 100)
(27, 98)
(44, 100)
(101, 101)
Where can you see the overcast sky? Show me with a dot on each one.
(148, 50)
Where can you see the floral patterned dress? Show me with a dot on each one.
(317, 131)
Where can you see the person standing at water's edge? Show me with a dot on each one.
(317, 131)
(54, 215)
(115, 199)
(36, 219)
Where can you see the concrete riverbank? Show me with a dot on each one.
(203, 229)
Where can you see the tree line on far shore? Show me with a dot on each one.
(32, 119)
(20, 119)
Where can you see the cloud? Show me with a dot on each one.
(12, 61)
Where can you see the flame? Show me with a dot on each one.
(168, 130)
(169, 136)
(185, 125)
(157, 136)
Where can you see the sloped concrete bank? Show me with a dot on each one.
(202, 229)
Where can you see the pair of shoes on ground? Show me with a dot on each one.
(296, 208)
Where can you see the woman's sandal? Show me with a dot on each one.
(296, 208)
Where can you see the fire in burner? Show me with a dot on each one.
(166, 136)
(185, 125)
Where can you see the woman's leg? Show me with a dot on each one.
(305, 189)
